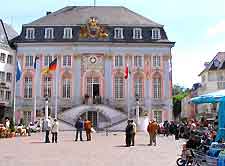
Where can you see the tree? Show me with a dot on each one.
(178, 94)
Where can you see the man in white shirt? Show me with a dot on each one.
(133, 132)
(47, 129)
(55, 130)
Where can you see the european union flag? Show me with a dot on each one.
(18, 71)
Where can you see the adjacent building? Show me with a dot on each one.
(7, 70)
(93, 46)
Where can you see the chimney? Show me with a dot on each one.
(48, 12)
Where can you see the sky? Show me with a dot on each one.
(197, 26)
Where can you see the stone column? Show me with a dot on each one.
(77, 79)
(108, 76)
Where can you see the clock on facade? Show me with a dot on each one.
(93, 59)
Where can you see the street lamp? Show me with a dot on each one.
(46, 107)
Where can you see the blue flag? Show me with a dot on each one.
(18, 71)
(35, 62)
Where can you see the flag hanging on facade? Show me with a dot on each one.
(53, 65)
(35, 62)
(18, 71)
(126, 72)
(45, 70)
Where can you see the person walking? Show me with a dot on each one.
(129, 130)
(87, 127)
(152, 130)
(134, 130)
(79, 125)
(47, 129)
(55, 130)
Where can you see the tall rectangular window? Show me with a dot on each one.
(156, 88)
(156, 61)
(138, 61)
(2, 76)
(47, 60)
(47, 86)
(67, 33)
(29, 61)
(28, 87)
(8, 77)
(139, 88)
(156, 34)
(158, 116)
(2, 95)
(49, 33)
(137, 33)
(2, 57)
(9, 59)
(66, 88)
(119, 86)
(67, 60)
(118, 33)
(7, 95)
(30, 33)
(118, 61)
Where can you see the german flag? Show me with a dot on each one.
(52, 66)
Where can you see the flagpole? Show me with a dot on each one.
(46, 99)
(35, 95)
(14, 94)
(56, 93)
(128, 94)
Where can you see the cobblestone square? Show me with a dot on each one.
(101, 151)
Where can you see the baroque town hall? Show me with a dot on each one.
(93, 46)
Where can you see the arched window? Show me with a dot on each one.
(47, 86)
(157, 88)
(28, 87)
(138, 87)
(118, 87)
(66, 88)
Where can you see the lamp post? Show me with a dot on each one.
(137, 108)
(46, 107)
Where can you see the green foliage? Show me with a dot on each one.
(12, 126)
(178, 94)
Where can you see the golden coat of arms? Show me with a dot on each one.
(93, 30)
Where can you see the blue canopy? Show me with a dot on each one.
(215, 97)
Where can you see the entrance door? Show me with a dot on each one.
(92, 116)
(93, 88)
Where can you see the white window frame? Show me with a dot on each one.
(8, 95)
(157, 115)
(28, 87)
(2, 57)
(138, 87)
(68, 33)
(47, 60)
(138, 61)
(67, 61)
(2, 76)
(157, 88)
(29, 61)
(118, 61)
(49, 33)
(2, 96)
(30, 33)
(47, 80)
(156, 34)
(118, 87)
(9, 59)
(8, 77)
(118, 33)
(156, 61)
(66, 92)
(137, 33)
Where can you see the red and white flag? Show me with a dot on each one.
(126, 72)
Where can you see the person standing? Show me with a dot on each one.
(134, 130)
(129, 130)
(7, 123)
(87, 127)
(152, 130)
(55, 130)
(79, 126)
(47, 129)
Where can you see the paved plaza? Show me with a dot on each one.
(101, 151)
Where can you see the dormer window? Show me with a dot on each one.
(30, 33)
(156, 33)
(49, 33)
(118, 33)
(137, 33)
(67, 33)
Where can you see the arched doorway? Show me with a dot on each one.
(92, 116)
(93, 89)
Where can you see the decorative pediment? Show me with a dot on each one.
(93, 30)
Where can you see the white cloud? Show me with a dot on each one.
(217, 29)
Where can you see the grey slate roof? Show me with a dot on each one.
(108, 15)
(11, 33)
